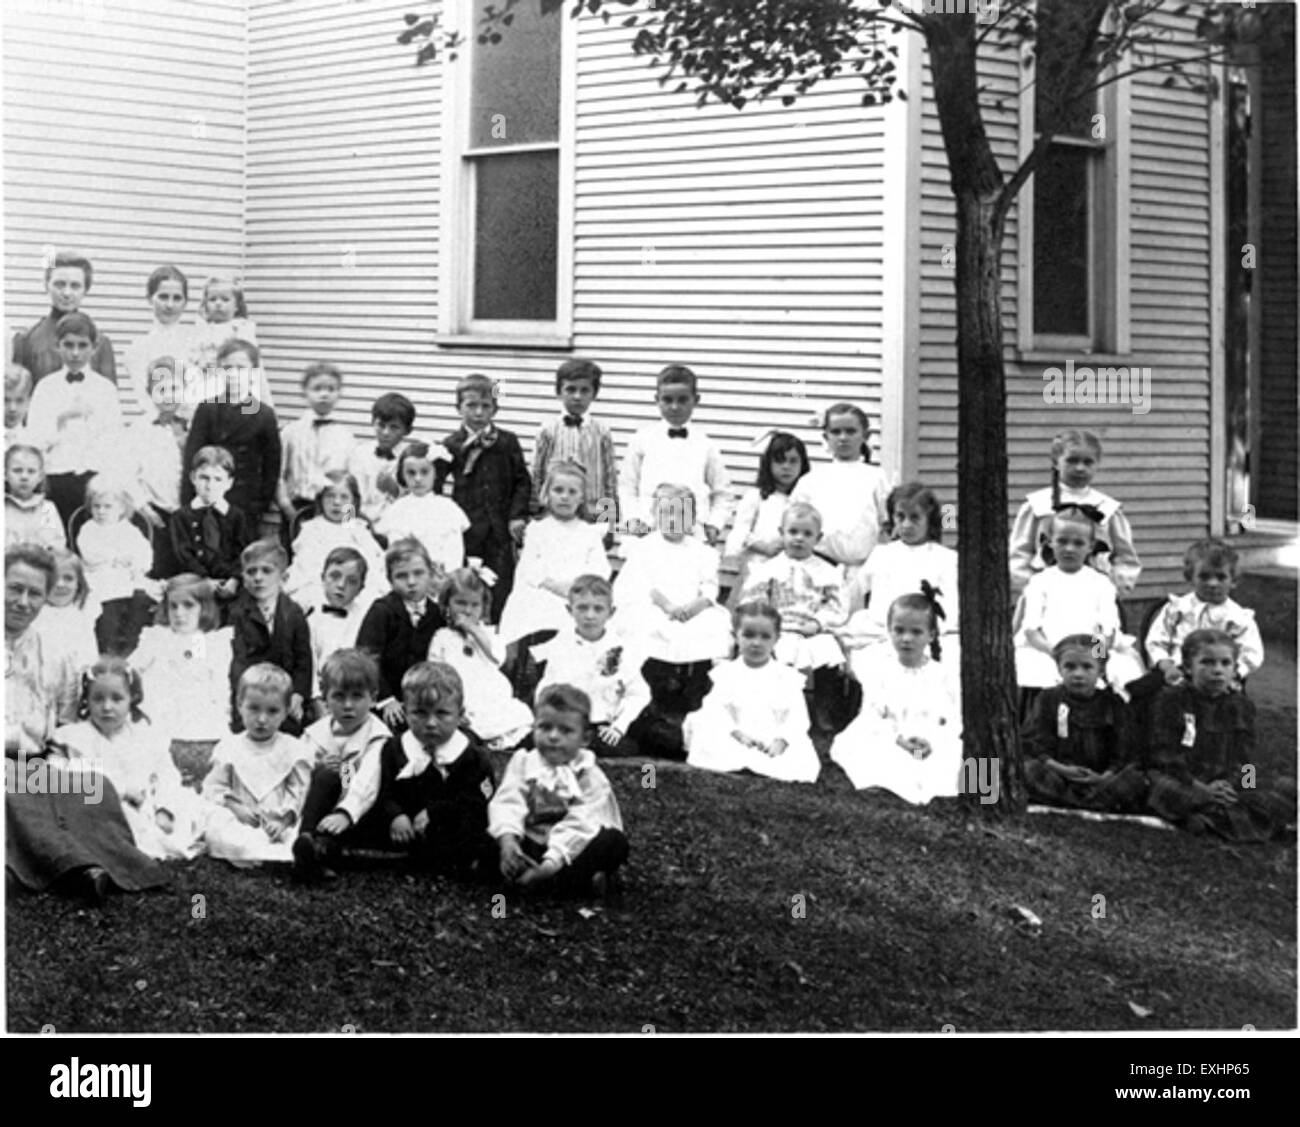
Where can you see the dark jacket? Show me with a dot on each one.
(288, 646)
(493, 491)
(460, 799)
(253, 439)
(387, 635)
(195, 554)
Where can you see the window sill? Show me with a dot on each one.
(1058, 356)
(537, 341)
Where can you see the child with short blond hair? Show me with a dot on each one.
(118, 557)
(18, 394)
(259, 777)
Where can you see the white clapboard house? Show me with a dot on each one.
(546, 197)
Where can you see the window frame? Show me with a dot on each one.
(458, 197)
(1109, 190)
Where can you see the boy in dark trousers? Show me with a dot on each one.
(436, 779)
(208, 534)
(398, 628)
(269, 626)
(244, 426)
(490, 482)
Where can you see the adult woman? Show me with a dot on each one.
(63, 827)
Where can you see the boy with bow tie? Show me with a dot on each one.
(336, 619)
(73, 413)
(375, 467)
(577, 437)
(314, 445)
(209, 534)
(156, 445)
(490, 483)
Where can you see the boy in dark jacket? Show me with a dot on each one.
(490, 483)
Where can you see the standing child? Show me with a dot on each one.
(667, 593)
(1210, 566)
(805, 589)
(269, 627)
(74, 418)
(489, 482)
(493, 713)
(907, 738)
(259, 777)
(18, 395)
(901, 566)
(1078, 740)
(601, 662)
(555, 818)
(557, 549)
(156, 442)
(346, 744)
(208, 534)
(398, 628)
(575, 436)
(29, 517)
(225, 319)
(1203, 774)
(118, 557)
(756, 531)
(422, 514)
(67, 624)
(314, 445)
(1070, 598)
(336, 617)
(435, 779)
(335, 525)
(168, 291)
(1076, 454)
(114, 737)
(375, 467)
(184, 662)
(671, 451)
(240, 422)
(754, 717)
(850, 493)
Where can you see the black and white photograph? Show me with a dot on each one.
(652, 518)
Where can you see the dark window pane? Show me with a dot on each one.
(515, 236)
(515, 90)
(1062, 277)
(1061, 27)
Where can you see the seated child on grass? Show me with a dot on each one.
(599, 661)
(754, 717)
(1202, 762)
(259, 778)
(1079, 739)
(492, 712)
(346, 745)
(435, 779)
(907, 738)
(554, 817)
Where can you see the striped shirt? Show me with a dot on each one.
(591, 445)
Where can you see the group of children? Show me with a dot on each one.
(340, 675)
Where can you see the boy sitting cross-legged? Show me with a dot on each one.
(435, 779)
(555, 817)
(346, 744)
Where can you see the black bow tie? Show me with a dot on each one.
(76, 377)
(573, 420)
(337, 612)
(386, 455)
(320, 423)
(676, 432)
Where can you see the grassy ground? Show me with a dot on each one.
(750, 905)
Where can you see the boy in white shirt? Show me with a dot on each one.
(375, 467)
(73, 417)
(671, 451)
(312, 445)
(335, 620)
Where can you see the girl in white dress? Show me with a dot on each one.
(756, 530)
(168, 291)
(225, 318)
(495, 715)
(336, 525)
(259, 778)
(435, 521)
(850, 493)
(754, 717)
(1070, 597)
(907, 738)
(557, 549)
(65, 622)
(118, 557)
(185, 665)
(115, 738)
(900, 566)
(667, 591)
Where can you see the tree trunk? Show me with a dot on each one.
(988, 674)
